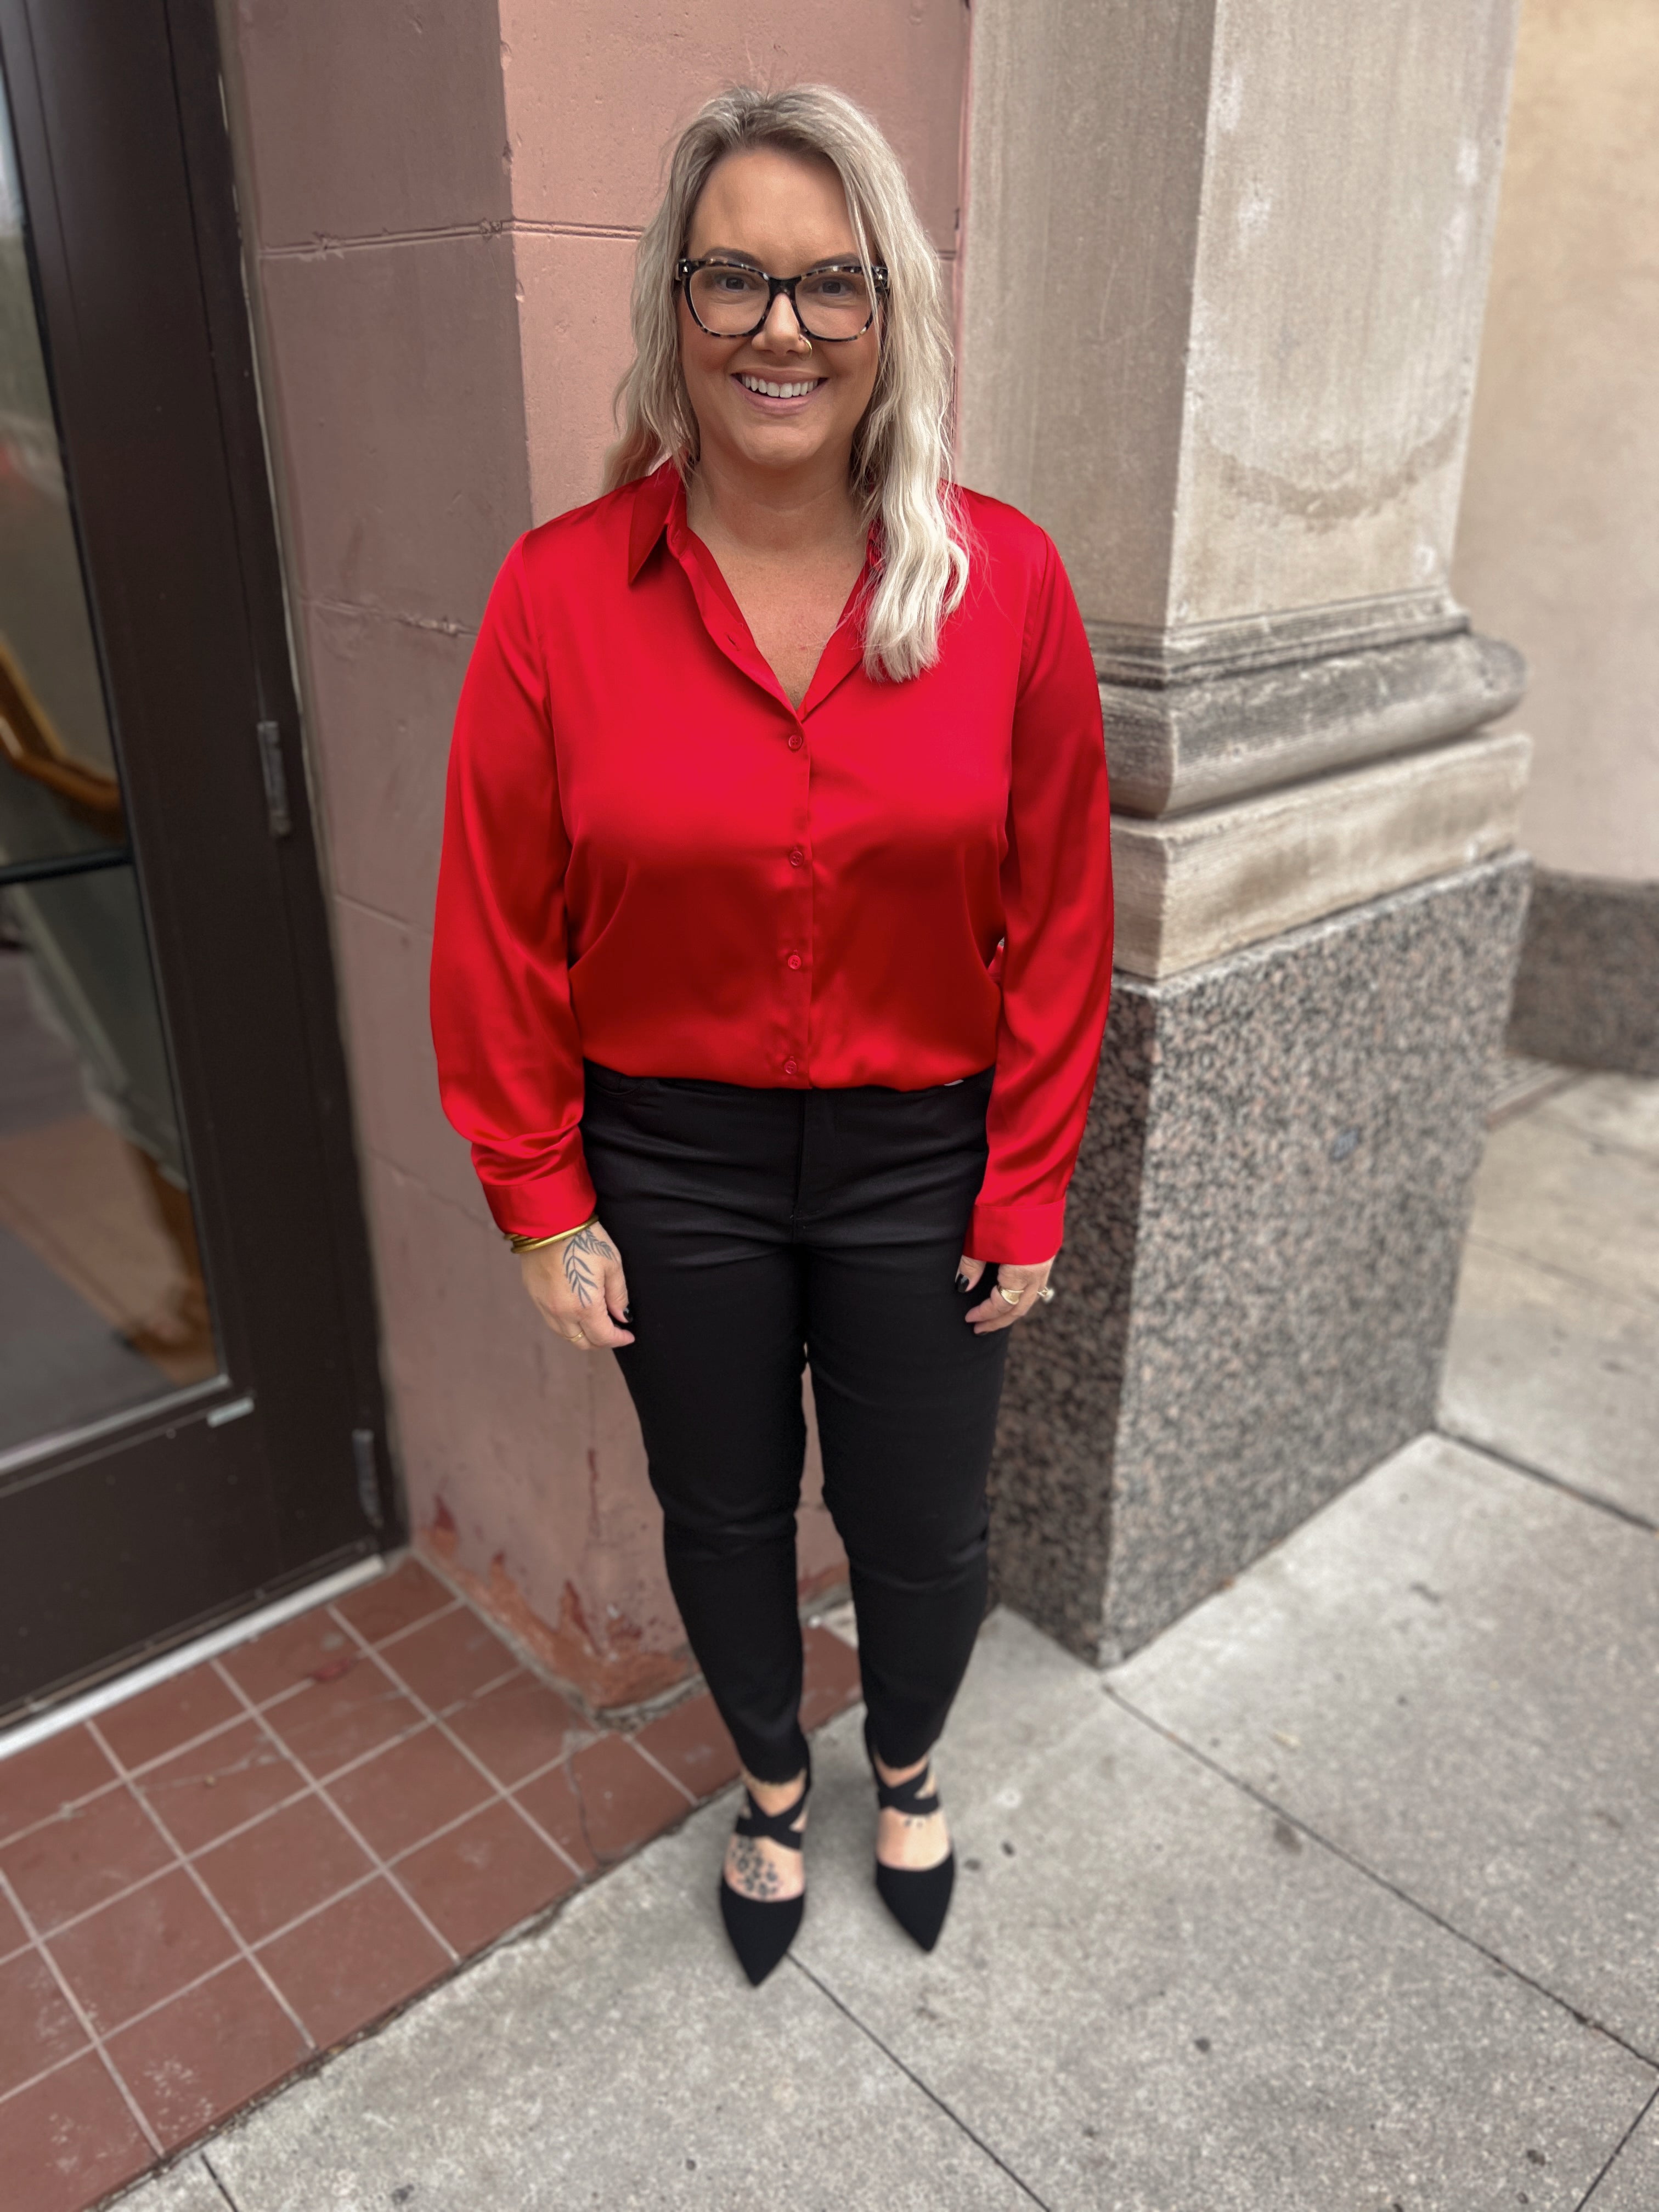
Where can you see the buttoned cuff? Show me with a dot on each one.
(540, 1206)
(1015, 1236)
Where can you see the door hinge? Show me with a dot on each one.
(368, 1480)
(276, 777)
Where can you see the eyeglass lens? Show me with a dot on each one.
(830, 303)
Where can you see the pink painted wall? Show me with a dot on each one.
(441, 206)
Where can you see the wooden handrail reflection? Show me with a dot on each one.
(30, 744)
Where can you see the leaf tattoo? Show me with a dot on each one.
(585, 1255)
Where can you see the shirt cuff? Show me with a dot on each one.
(544, 1206)
(1015, 1236)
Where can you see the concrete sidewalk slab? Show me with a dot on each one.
(1619, 1110)
(616, 2059)
(1544, 1368)
(188, 2187)
(1556, 1195)
(1631, 2184)
(1155, 1996)
(1450, 1674)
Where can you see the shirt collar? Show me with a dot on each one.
(658, 512)
(655, 500)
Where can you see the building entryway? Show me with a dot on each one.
(189, 1412)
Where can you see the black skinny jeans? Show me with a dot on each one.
(761, 1230)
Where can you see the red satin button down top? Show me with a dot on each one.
(652, 859)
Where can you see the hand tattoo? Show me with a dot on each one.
(585, 1255)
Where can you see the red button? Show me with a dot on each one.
(794, 960)
(798, 859)
(790, 1068)
(796, 741)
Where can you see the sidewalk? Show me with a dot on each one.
(1339, 1898)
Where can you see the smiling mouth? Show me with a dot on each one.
(797, 388)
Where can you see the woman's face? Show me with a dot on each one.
(786, 213)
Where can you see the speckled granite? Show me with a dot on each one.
(1261, 1255)
(1587, 994)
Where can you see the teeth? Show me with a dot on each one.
(779, 391)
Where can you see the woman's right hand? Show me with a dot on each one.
(579, 1288)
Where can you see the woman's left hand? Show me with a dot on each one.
(995, 1311)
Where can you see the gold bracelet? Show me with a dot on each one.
(535, 1243)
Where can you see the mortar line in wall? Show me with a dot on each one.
(365, 610)
(422, 930)
(321, 244)
(320, 247)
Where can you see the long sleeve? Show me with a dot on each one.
(1057, 955)
(509, 1056)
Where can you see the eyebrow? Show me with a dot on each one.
(749, 260)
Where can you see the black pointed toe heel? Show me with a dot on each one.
(917, 1897)
(761, 1930)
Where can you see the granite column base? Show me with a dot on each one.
(1261, 1255)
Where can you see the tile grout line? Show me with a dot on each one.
(1617, 2152)
(652, 1759)
(212, 1903)
(144, 1768)
(134, 2020)
(94, 2041)
(499, 1788)
(59, 1811)
(46, 2072)
(127, 1777)
(910, 2075)
(1374, 1874)
(116, 1897)
(350, 1827)
(34, 1726)
(1556, 1482)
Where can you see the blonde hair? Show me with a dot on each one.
(901, 470)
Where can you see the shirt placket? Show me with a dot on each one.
(795, 945)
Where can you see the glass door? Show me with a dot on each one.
(103, 1304)
(191, 1419)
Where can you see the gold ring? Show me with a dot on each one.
(1046, 1295)
(1012, 1296)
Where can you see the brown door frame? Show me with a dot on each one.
(149, 1530)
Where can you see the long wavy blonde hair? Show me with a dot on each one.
(902, 466)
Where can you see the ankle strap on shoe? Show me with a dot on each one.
(754, 1822)
(901, 1796)
(912, 1796)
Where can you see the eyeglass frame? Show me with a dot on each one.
(685, 269)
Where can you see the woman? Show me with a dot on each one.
(774, 945)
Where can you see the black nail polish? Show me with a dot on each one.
(628, 1314)
(963, 1283)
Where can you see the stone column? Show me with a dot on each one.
(1222, 283)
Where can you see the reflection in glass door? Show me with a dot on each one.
(103, 1306)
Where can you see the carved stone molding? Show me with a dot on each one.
(1194, 887)
(1213, 712)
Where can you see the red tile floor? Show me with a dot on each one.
(205, 1885)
